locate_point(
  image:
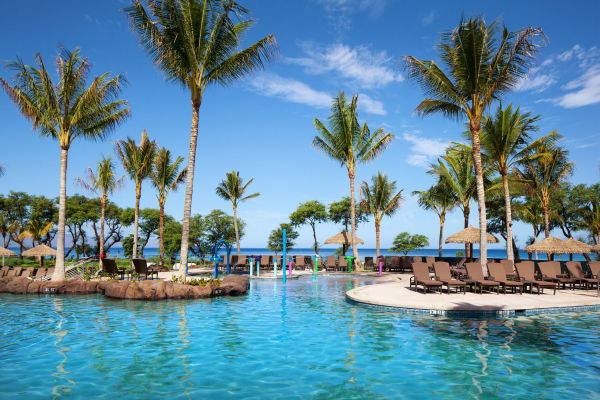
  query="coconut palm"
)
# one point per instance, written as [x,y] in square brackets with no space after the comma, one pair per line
[195,43]
[165,176]
[233,189]
[482,63]
[440,199]
[543,172]
[66,110]
[349,143]
[137,163]
[380,199]
[506,142]
[103,182]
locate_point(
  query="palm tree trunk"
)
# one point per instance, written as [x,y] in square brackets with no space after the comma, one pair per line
[546,220]
[466,213]
[507,206]
[237,233]
[189,189]
[480,198]
[136,217]
[377,237]
[441,237]
[161,230]
[101,240]
[353,217]
[316,245]
[59,268]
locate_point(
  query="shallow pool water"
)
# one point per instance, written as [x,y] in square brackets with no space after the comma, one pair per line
[301,340]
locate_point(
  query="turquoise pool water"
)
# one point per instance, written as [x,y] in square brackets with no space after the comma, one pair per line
[302,340]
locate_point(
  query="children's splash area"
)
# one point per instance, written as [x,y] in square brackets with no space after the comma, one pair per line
[299,339]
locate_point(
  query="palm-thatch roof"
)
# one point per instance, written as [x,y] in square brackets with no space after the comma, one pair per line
[574,246]
[40,250]
[596,247]
[6,252]
[549,245]
[343,238]
[469,235]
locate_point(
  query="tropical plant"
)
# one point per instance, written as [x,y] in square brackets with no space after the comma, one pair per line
[195,43]
[380,199]
[339,212]
[66,110]
[103,182]
[349,143]
[233,189]
[440,199]
[404,242]
[310,213]
[137,163]
[165,176]
[275,242]
[482,63]
[544,172]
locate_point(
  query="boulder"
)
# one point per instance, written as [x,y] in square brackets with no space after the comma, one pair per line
[116,289]
[3,282]
[18,285]
[178,291]
[202,292]
[233,285]
[79,287]
[34,287]
[153,290]
[52,287]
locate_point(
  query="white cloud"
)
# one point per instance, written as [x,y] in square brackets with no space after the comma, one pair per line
[296,91]
[429,18]
[339,12]
[424,151]
[584,90]
[536,80]
[366,68]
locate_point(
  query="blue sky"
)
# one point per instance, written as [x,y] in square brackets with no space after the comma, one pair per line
[262,125]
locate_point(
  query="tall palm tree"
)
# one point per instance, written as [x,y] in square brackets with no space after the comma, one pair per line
[456,167]
[165,176]
[137,162]
[349,143]
[482,64]
[544,172]
[380,199]
[233,189]
[103,182]
[506,142]
[440,199]
[66,110]
[195,43]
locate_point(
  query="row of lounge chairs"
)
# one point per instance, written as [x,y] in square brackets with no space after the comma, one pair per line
[140,269]
[502,276]
[41,273]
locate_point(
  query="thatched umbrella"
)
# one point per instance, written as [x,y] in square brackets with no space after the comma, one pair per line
[6,253]
[469,235]
[596,247]
[549,245]
[574,246]
[343,238]
[40,251]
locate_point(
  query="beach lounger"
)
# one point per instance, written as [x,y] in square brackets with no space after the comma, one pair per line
[265,263]
[551,272]
[110,268]
[442,273]
[421,277]
[141,268]
[429,261]
[576,272]
[330,263]
[300,262]
[475,274]
[526,273]
[594,269]
[509,268]
[342,264]
[48,274]
[498,274]
[395,264]
[39,273]
[233,262]
[370,265]
[416,259]
[241,263]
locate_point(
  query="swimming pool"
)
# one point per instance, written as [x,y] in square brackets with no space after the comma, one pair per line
[301,340]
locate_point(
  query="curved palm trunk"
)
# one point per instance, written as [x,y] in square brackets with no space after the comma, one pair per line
[189,189]
[316,245]
[353,218]
[377,237]
[480,199]
[441,237]
[546,220]
[507,205]
[466,213]
[101,240]
[59,268]
[235,227]
[136,218]
[161,230]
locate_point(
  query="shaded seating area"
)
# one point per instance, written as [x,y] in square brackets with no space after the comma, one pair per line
[443,274]
[498,274]
[551,272]
[421,278]
[576,272]
[476,278]
[526,273]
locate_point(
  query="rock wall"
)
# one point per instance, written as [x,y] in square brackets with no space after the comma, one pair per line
[232,285]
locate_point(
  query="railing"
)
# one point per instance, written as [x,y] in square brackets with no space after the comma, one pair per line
[76,270]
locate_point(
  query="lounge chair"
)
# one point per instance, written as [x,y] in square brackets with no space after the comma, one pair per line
[300,262]
[27,272]
[265,263]
[421,277]
[526,272]
[429,261]
[442,273]
[241,263]
[48,274]
[141,268]
[233,263]
[330,263]
[551,272]
[110,268]
[594,269]
[16,271]
[416,259]
[475,276]
[39,273]
[342,264]
[369,265]
[576,272]
[275,260]
[509,268]
[498,274]
[395,264]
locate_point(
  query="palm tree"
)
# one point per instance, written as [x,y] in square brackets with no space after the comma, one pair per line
[481,65]
[544,172]
[233,189]
[66,111]
[380,200]
[137,162]
[195,43]
[103,182]
[440,199]
[349,143]
[457,169]
[165,176]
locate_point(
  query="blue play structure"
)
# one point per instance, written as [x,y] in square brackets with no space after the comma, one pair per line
[215,258]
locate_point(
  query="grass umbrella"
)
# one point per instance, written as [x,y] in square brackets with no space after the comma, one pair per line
[6,253]
[40,251]
[470,235]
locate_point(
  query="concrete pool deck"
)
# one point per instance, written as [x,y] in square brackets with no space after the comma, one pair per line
[395,293]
